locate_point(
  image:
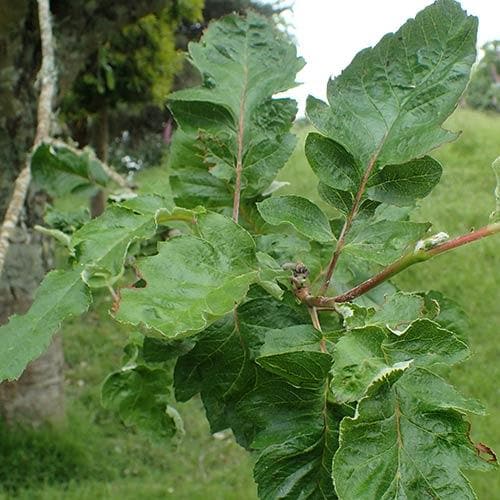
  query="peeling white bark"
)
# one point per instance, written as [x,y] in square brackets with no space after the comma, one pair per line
[47,79]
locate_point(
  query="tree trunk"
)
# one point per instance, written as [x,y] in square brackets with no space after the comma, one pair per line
[496,80]
[38,394]
[101,141]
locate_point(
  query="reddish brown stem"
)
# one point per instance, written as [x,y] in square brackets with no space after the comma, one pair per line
[348,223]
[464,239]
[384,275]
[401,264]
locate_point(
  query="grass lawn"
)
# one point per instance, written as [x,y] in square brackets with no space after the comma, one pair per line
[92,456]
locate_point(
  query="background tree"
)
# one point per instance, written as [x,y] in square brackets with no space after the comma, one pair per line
[80,28]
[484,88]
[132,72]
[90,36]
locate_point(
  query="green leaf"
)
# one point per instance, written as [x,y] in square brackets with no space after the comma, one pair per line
[383,241]
[241,57]
[425,343]
[293,429]
[367,354]
[101,245]
[403,184]
[271,274]
[294,353]
[141,396]
[398,311]
[61,295]
[232,120]
[306,217]
[66,221]
[141,391]
[190,178]
[299,468]
[341,175]
[221,365]
[295,432]
[395,313]
[408,439]
[148,204]
[159,350]
[358,361]
[333,165]
[193,280]
[341,200]
[389,104]
[450,315]
[58,235]
[60,170]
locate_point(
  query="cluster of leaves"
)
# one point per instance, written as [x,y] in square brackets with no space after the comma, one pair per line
[136,64]
[338,403]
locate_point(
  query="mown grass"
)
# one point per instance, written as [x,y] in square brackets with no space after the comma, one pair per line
[92,456]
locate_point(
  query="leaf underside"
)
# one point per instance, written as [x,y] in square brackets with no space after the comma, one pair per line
[60,170]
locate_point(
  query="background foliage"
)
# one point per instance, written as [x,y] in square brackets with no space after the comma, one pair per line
[484,87]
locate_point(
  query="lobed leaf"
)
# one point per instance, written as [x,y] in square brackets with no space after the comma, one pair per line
[384,115]
[296,435]
[367,354]
[389,104]
[221,365]
[232,119]
[409,439]
[289,419]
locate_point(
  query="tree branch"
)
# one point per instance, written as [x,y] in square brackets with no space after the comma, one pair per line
[110,171]
[47,80]
[418,255]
